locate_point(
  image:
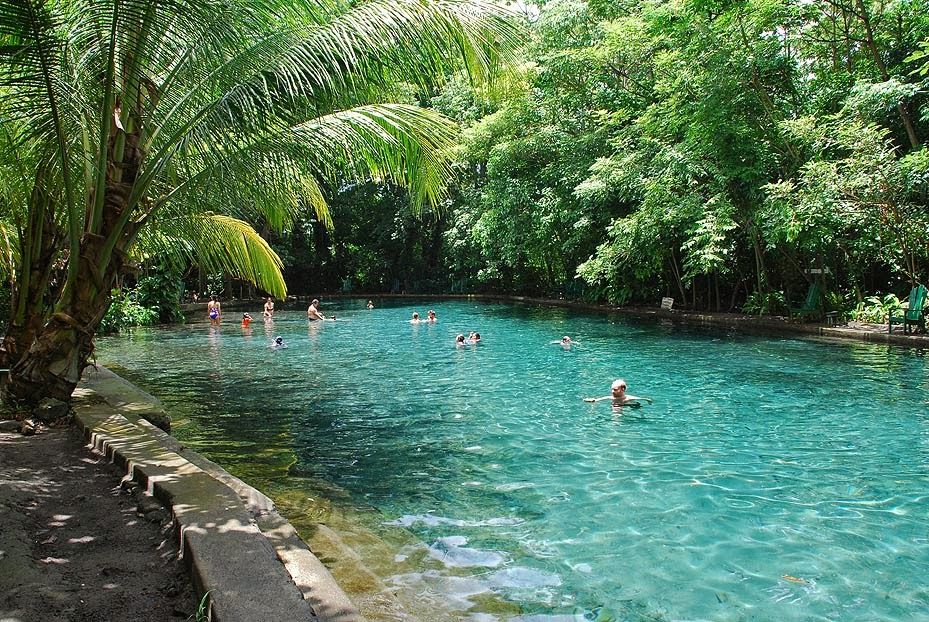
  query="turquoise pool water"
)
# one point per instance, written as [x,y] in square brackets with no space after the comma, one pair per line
[772,478]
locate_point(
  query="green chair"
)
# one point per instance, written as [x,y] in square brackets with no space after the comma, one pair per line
[812,307]
[913,314]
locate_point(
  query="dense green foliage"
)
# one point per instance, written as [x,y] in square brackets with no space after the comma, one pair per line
[125,311]
[141,131]
[716,152]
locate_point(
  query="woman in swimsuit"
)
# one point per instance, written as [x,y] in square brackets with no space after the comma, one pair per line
[214,311]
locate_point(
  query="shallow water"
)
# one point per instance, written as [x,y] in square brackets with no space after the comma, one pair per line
[772,478]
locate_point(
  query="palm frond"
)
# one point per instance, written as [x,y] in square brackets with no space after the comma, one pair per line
[218,243]
[281,175]
[9,252]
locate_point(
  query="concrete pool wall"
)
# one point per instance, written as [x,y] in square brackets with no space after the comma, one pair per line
[238,548]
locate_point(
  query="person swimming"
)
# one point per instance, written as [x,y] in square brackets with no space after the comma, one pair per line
[430,316]
[278,343]
[459,340]
[415,319]
[618,395]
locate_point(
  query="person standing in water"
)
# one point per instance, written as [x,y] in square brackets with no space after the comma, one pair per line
[313,313]
[269,308]
[214,311]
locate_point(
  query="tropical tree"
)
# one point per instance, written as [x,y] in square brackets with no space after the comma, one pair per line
[134,127]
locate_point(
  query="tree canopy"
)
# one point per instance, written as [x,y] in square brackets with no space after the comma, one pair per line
[168,128]
[717,152]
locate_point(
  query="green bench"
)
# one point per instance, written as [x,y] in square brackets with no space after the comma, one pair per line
[913,315]
[812,306]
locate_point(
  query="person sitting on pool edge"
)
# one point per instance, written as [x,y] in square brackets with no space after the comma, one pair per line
[618,395]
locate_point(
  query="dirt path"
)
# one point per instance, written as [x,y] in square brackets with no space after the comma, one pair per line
[73,546]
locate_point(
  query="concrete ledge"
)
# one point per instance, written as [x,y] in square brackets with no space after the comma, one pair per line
[236,545]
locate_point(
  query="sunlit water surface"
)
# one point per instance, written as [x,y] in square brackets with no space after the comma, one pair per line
[772,478]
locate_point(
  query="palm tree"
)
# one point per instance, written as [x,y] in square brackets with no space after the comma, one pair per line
[168,125]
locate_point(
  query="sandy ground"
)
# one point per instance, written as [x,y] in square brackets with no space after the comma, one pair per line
[75,546]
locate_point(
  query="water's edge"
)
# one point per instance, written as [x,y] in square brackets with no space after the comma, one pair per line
[750,324]
[308,574]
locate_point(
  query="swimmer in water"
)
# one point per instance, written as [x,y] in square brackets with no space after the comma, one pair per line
[312,313]
[618,395]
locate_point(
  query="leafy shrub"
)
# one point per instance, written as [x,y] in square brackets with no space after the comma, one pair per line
[765,303]
[162,290]
[125,311]
[875,309]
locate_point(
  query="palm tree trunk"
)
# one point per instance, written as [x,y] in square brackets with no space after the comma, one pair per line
[54,360]
[39,252]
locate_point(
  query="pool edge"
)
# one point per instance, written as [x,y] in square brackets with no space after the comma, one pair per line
[236,545]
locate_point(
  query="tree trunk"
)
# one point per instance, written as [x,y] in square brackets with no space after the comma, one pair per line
[52,365]
[871,43]
[19,336]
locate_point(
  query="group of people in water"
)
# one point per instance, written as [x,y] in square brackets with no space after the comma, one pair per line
[430,317]
[473,339]
[618,396]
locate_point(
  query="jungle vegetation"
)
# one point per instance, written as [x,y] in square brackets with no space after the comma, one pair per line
[165,131]
[724,153]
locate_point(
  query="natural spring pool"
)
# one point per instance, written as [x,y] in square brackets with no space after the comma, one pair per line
[772,478]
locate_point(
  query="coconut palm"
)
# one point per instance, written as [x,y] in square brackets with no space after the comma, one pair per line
[168,125]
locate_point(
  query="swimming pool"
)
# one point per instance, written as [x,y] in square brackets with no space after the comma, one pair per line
[772,478]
